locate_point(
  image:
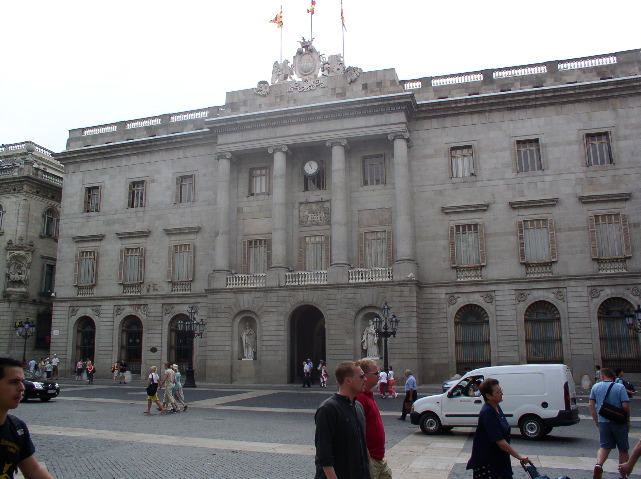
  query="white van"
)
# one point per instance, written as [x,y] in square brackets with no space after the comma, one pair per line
[536,398]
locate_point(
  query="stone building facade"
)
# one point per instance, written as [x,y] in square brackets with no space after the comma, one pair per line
[30,194]
[495,211]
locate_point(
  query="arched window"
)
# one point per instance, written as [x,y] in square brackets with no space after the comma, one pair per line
[180,342]
[50,223]
[619,345]
[85,339]
[472,337]
[131,343]
[543,333]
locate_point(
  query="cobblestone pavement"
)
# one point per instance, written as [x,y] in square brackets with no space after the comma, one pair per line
[261,432]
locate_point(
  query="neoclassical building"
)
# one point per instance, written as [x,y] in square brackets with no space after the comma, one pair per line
[30,193]
[497,212]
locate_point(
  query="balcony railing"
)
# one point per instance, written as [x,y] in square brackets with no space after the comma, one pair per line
[366,275]
[299,278]
[181,287]
[85,290]
[131,288]
[246,280]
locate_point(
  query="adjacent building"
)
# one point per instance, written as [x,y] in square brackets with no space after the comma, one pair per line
[30,194]
[497,212]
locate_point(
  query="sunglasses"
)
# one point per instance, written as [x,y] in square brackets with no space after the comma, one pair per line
[375,373]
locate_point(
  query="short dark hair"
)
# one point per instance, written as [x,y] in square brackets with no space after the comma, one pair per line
[8,362]
[607,372]
[618,371]
[344,370]
[487,387]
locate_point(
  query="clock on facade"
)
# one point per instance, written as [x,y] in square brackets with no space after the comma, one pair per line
[310,168]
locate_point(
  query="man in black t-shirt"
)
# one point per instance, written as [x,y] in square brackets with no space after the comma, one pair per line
[16,448]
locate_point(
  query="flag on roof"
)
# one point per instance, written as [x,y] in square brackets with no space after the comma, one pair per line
[278,19]
[343,17]
[311,9]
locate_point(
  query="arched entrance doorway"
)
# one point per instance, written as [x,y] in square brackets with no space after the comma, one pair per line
[85,339]
[131,343]
[306,341]
[619,344]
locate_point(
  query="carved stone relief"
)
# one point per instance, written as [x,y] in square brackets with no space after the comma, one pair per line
[316,213]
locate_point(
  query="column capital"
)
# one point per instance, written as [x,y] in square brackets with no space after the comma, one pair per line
[337,142]
[225,155]
[400,136]
[274,149]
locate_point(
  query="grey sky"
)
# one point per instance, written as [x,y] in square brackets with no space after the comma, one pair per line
[70,64]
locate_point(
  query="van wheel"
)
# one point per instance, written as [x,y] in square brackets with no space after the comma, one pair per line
[430,423]
[532,428]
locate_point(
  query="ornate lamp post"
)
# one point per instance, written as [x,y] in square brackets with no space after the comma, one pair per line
[630,316]
[386,328]
[194,329]
[25,330]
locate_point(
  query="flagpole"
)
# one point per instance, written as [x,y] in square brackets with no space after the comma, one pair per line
[343,31]
[281,36]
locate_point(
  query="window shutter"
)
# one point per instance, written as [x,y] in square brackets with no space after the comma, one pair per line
[453,246]
[94,276]
[192,264]
[361,251]
[269,253]
[552,232]
[144,193]
[301,254]
[627,246]
[76,269]
[482,244]
[177,192]
[521,236]
[141,266]
[328,251]
[99,198]
[245,265]
[592,230]
[121,266]
[170,264]
[390,250]
[130,198]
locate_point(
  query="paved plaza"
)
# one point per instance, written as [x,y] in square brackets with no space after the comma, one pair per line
[229,432]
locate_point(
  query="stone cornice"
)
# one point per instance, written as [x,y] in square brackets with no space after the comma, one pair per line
[86,238]
[182,230]
[133,234]
[464,208]
[25,184]
[534,97]
[517,204]
[604,197]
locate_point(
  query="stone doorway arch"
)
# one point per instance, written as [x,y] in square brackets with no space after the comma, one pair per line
[307,340]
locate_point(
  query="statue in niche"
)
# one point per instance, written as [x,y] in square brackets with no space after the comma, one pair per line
[369,342]
[17,273]
[248,340]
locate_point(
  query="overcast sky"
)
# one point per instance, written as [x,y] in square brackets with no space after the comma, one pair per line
[69,64]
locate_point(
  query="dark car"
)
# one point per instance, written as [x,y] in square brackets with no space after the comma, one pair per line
[39,388]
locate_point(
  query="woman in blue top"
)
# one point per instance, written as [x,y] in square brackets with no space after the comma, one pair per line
[491,448]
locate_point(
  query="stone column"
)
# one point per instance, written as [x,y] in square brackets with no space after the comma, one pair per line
[23,222]
[221,242]
[339,213]
[279,212]
[403,237]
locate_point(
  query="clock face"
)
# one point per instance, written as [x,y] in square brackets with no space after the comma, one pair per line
[310,168]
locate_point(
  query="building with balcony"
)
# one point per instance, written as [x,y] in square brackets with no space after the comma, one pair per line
[30,194]
[497,212]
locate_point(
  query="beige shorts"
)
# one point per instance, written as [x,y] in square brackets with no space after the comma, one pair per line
[378,469]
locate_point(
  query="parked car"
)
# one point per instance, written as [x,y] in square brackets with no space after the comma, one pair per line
[536,398]
[39,388]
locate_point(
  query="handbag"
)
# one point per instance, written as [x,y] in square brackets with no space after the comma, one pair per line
[613,413]
[152,389]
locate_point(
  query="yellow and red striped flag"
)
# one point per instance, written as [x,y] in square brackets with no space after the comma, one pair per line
[278,19]
[343,17]
[311,9]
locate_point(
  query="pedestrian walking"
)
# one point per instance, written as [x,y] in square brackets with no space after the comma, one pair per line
[80,366]
[115,369]
[91,370]
[307,374]
[54,363]
[491,449]
[152,391]
[382,383]
[48,368]
[390,383]
[178,388]
[323,376]
[410,394]
[611,434]
[123,371]
[168,382]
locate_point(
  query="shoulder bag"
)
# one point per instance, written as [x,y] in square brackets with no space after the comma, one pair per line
[611,412]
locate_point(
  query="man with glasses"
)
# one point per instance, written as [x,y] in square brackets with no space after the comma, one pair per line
[341,450]
[375,432]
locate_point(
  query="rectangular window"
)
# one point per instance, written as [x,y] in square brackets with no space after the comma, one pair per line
[92,199]
[598,150]
[50,223]
[136,194]
[182,262]
[132,265]
[462,161]
[258,181]
[185,189]
[315,253]
[86,268]
[467,245]
[535,240]
[373,170]
[375,249]
[257,256]
[528,155]
[48,277]
[610,236]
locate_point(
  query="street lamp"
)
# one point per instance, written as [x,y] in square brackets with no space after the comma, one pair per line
[386,328]
[194,329]
[25,330]
[630,316]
